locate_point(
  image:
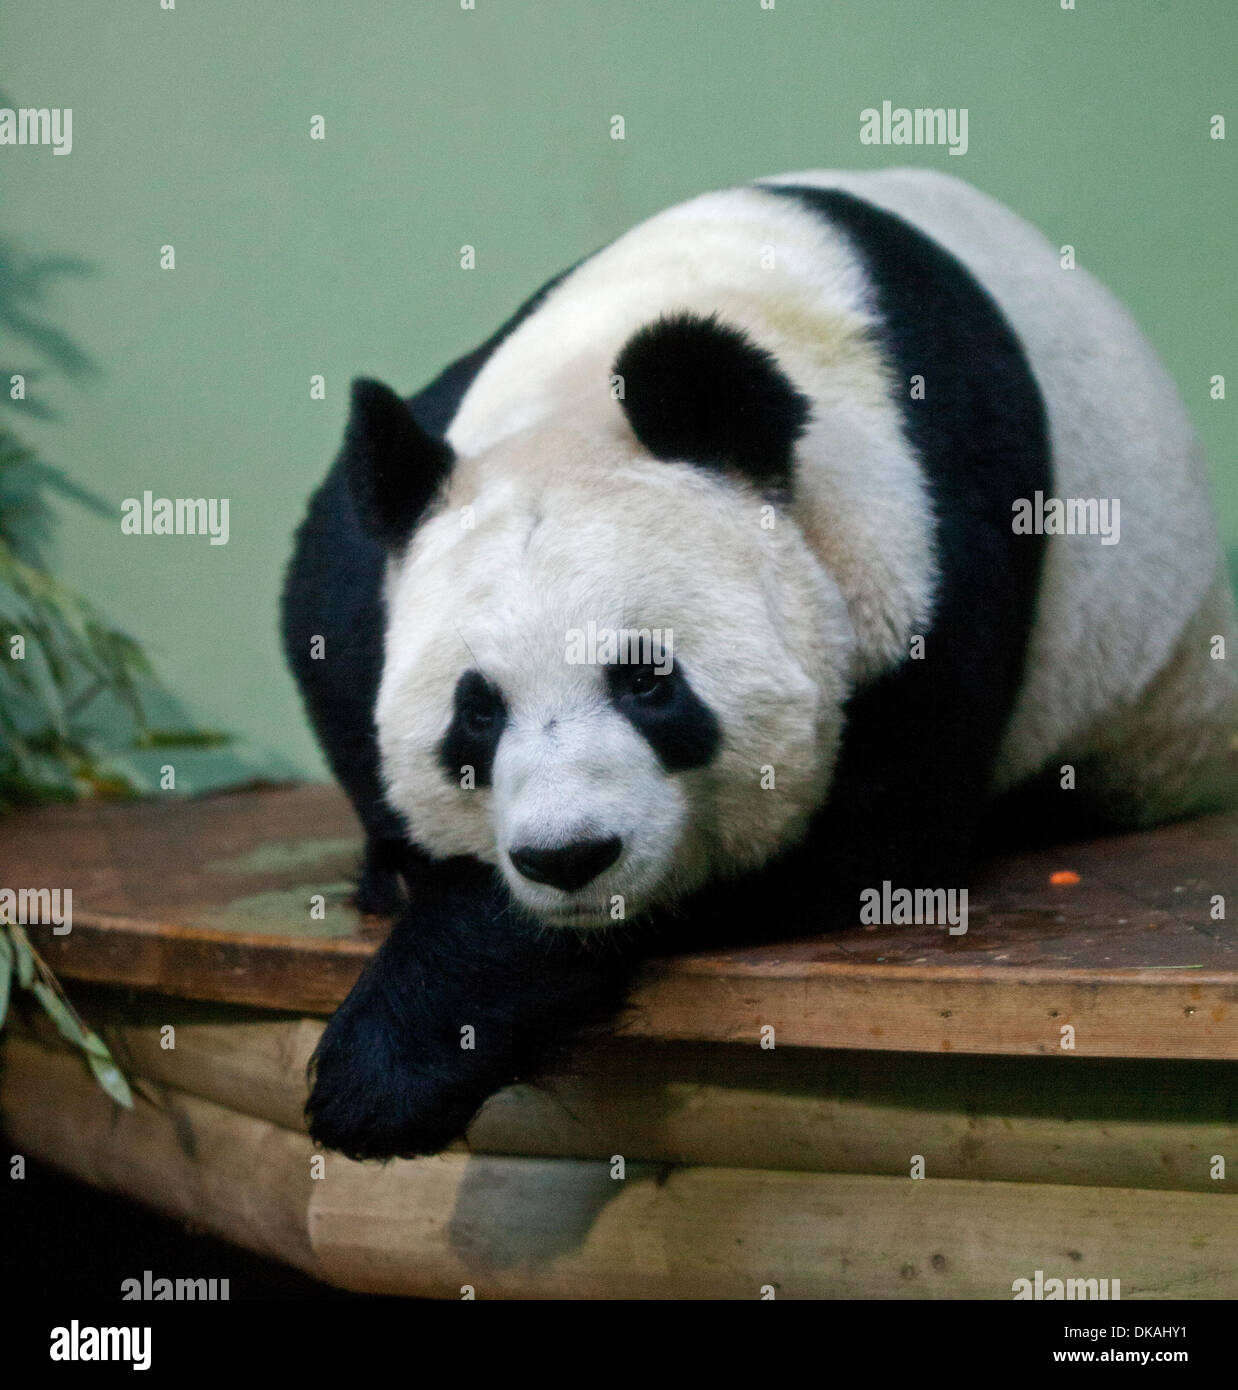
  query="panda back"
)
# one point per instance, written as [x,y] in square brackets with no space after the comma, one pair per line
[1109,618]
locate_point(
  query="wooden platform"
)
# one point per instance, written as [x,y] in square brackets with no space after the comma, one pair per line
[744,1166]
[210,899]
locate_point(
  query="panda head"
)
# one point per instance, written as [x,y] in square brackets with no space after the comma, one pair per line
[613,667]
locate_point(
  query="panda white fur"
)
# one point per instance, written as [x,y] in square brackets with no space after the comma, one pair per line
[785,429]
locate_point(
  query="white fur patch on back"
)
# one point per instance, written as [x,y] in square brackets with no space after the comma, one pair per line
[1108,617]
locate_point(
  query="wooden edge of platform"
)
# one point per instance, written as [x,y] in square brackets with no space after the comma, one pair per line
[1048,1014]
[1146,1012]
[508,1227]
[303,974]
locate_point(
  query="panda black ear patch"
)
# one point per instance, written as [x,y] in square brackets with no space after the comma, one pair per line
[700,391]
[394,467]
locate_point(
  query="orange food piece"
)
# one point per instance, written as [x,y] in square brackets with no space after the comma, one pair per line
[1063,877]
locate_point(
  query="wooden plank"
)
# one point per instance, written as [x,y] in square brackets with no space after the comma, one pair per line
[563,1228]
[1149,1013]
[242,1179]
[1131,1124]
[300,974]
[1146,1013]
[535,1227]
[209,899]
[201,861]
[1082,1122]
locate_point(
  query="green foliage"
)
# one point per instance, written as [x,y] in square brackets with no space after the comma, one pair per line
[65,670]
[60,659]
[58,655]
[19,958]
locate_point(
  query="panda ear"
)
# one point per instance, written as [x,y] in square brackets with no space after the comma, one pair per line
[700,391]
[394,467]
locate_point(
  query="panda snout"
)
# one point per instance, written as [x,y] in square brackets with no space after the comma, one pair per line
[569,866]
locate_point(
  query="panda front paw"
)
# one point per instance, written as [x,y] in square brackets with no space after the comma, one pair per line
[463,998]
[392,1074]
[373,1096]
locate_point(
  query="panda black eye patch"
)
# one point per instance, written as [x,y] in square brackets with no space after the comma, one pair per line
[668,714]
[479,714]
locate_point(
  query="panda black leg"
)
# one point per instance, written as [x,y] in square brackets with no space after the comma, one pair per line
[381,885]
[465,996]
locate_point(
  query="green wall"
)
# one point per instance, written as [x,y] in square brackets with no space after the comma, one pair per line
[492,127]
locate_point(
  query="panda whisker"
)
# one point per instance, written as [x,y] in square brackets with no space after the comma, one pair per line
[472,655]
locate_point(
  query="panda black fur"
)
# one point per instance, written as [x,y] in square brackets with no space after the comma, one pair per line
[709,428]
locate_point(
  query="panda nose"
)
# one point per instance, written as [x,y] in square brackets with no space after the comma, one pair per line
[569,866]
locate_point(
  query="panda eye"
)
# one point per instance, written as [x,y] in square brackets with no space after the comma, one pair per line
[645,683]
[480,710]
[478,720]
[482,713]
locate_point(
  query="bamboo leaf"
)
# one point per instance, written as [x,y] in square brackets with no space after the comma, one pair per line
[42,681]
[110,1077]
[182,738]
[95,1046]
[25,955]
[78,665]
[6,974]
[68,1025]
[14,944]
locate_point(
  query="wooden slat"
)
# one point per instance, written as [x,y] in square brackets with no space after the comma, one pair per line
[209,900]
[1081,1122]
[1146,1013]
[301,974]
[1101,1124]
[242,1179]
[535,1227]
[561,1228]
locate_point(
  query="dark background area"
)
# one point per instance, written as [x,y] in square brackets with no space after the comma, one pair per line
[63,1240]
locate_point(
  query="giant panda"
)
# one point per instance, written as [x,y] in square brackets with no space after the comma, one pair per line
[785,434]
